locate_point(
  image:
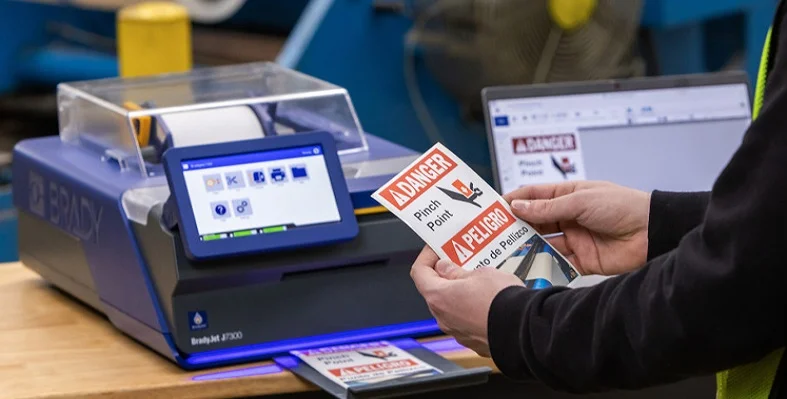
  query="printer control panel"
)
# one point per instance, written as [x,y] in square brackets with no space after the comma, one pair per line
[270,194]
[260,193]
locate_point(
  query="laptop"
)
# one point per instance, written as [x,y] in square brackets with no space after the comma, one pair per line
[673,133]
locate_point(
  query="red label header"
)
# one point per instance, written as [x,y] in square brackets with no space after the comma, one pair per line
[374,367]
[477,234]
[416,180]
[550,143]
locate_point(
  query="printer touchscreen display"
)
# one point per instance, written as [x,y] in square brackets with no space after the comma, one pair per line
[263,192]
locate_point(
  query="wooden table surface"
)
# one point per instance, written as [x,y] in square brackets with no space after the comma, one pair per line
[52,346]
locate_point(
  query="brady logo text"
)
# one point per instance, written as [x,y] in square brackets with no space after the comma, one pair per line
[64,207]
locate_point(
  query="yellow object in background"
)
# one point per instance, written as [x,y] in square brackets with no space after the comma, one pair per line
[370,210]
[141,125]
[571,14]
[153,38]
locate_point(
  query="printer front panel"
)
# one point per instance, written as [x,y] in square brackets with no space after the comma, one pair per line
[275,297]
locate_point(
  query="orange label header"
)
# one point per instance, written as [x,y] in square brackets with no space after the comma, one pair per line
[416,180]
[477,234]
[372,368]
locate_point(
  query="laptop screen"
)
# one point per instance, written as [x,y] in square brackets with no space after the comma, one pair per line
[676,139]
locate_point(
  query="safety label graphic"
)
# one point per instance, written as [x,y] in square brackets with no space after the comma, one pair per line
[478,233]
[367,363]
[548,157]
[455,212]
[408,186]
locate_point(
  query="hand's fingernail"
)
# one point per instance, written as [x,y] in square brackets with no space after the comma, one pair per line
[520,205]
[443,266]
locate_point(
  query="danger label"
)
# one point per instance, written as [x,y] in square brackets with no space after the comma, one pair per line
[342,348]
[472,239]
[369,363]
[416,180]
[550,143]
[455,211]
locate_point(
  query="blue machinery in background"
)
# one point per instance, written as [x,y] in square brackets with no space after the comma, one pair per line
[347,43]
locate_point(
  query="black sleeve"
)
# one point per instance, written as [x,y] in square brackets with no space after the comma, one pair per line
[672,216]
[715,301]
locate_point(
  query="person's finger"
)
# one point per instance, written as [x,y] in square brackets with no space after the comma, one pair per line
[545,228]
[425,277]
[427,256]
[544,191]
[561,209]
[423,273]
[448,270]
[577,263]
[560,244]
[537,191]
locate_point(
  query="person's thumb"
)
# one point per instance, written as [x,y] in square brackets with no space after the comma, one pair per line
[547,211]
[448,270]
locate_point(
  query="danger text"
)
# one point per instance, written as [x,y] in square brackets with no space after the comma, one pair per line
[417,179]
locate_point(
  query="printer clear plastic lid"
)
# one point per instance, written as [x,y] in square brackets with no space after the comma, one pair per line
[132,121]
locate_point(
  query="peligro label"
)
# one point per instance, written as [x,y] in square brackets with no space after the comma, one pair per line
[456,212]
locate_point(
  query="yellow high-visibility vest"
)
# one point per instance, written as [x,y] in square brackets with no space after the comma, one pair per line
[752,381]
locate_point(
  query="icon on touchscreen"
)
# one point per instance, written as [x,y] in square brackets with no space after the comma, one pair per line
[213,183]
[242,207]
[278,175]
[299,172]
[220,209]
[256,177]
[234,179]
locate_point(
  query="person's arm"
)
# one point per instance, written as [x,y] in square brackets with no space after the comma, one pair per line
[715,301]
[672,215]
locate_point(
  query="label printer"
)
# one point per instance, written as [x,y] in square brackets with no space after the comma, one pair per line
[220,216]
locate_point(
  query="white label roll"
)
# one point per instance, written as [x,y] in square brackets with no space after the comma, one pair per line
[212,11]
[211,126]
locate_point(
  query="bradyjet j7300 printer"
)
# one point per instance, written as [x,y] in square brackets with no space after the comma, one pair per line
[98,220]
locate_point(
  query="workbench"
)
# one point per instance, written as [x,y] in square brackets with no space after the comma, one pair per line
[55,347]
